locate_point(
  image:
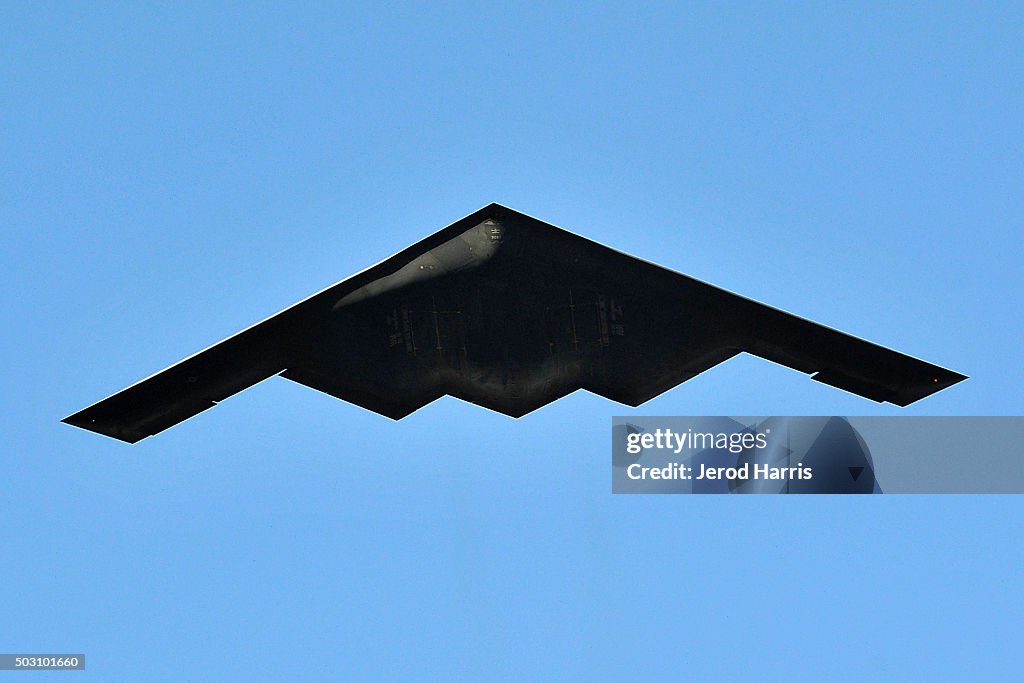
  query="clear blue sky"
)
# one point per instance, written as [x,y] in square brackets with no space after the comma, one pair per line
[170,174]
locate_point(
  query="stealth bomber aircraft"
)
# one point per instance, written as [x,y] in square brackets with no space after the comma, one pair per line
[510,313]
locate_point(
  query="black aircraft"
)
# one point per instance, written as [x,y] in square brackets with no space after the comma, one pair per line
[511,313]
